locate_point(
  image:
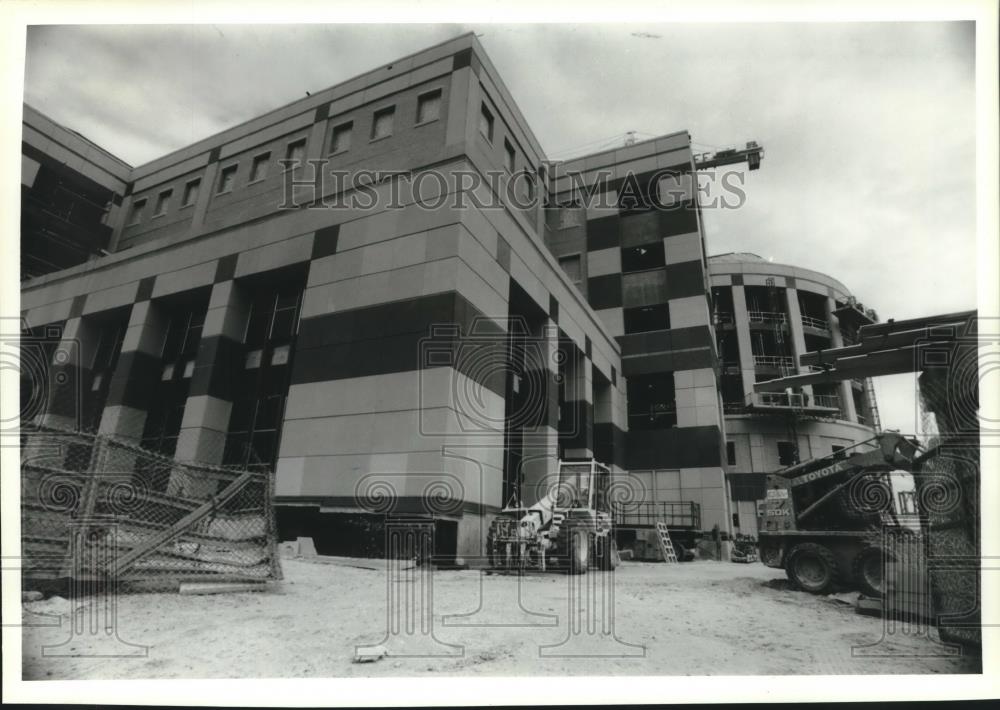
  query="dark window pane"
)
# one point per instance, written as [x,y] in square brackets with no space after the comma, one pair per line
[172,343]
[242,415]
[651,403]
[647,256]
[284,324]
[264,449]
[647,318]
[258,327]
[236,449]
[287,298]
[269,413]
[786,453]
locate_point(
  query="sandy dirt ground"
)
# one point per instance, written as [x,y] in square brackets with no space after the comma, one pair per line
[696,618]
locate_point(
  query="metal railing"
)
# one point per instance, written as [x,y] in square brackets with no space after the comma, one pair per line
[780,399]
[830,401]
[784,361]
[766,317]
[818,324]
[676,514]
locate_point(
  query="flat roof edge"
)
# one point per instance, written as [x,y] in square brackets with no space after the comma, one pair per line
[312,101]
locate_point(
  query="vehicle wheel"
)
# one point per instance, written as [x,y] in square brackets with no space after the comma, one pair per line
[812,568]
[579,552]
[868,572]
[770,555]
[607,553]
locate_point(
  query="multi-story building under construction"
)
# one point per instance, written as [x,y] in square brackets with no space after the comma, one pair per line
[386,291]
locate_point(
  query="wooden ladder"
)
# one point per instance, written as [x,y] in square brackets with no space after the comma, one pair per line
[666,544]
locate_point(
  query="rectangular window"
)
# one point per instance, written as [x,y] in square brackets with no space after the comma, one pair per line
[731,453]
[641,258]
[259,169]
[138,207]
[651,403]
[571,265]
[838,451]
[486,123]
[382,122]
[227,179]
[255,421]
[295,153]
[191,193]
[340,139]
[509,156]
[645,319]
[163,202]
[429,106]
[786,453]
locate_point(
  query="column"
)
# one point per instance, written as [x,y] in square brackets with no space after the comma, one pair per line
[69,374]
[837,341]
[576,425]
[742,319]
[796,334]
[117,222]
[206,412]
[137,372]
[541,435]
[67,380]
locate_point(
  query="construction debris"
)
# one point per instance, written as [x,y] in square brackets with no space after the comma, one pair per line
[370,654]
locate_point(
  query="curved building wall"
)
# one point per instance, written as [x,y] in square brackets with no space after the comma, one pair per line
[766,316]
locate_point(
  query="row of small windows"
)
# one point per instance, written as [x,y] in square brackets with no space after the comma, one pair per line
[428,110]
[190,196]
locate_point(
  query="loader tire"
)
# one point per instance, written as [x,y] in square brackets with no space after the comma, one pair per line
[811,567]
[607,553]
[869,572]
[579,552]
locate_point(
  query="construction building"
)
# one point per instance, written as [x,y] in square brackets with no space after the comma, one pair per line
[426,341]
[766,316]
[68,186]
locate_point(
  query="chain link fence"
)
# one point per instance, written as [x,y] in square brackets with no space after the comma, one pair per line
[98,508]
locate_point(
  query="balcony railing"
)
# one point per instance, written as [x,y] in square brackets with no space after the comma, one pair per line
[780,361]
[780,399]
[830,401]
[765,317]
[794,400]
[646,514]
[816,323]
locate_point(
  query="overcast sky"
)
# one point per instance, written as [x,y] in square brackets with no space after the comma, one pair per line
[868,129]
